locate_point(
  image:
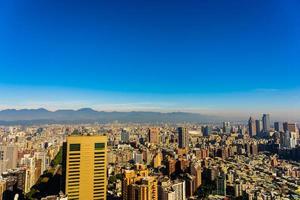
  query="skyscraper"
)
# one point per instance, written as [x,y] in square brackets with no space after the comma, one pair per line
[124,136]
[266,123]
[207,130]
[226,127]
[252,127]
[183,137]
[221,185]
[278,126]
[85,167]
[153,135]
[259,127]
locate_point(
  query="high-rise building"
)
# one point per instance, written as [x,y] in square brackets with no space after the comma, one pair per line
[157,159]
[221,185]
[124,136]
[153,135]
[238,192]
[165,193]
[8,157]
[179,187]
[196,171]
[252,127]
[190,186]
[290,139]
[138,157]
[85,167]
[226,127]
[2,188]
[183,137]
[278,126]
[207,130]
[171,166]
[259,127]
[137,185]
[266,123]
[292,127]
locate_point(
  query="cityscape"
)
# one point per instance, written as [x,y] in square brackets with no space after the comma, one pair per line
[149,100]
[256,160]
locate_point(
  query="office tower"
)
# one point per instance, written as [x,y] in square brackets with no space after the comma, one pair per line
[153,135]
[124,136]
[259,127]
[221,185]
[266,123]
[85,167]
[226,127]
[183,137]
[207,130]
[278,126]
[252,127]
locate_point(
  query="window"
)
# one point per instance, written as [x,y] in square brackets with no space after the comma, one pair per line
[99,146]
[102,156]
[74,154]
[74,147]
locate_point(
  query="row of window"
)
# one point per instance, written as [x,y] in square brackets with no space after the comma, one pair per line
[97,146]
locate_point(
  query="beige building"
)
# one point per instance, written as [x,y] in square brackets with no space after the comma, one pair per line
[153,135]
[86,167]
[138,185]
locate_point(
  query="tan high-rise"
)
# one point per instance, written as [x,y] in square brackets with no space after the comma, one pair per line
[153,135]
[86,167]
[138,185]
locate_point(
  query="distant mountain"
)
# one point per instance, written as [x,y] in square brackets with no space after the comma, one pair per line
[88,115]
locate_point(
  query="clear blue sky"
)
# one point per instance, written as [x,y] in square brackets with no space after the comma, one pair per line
[139,52]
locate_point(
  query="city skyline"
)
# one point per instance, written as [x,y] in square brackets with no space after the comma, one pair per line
[226,59]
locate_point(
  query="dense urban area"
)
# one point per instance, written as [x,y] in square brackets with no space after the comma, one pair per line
[258,160]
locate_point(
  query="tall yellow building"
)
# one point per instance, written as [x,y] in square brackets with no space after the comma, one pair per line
[157,160]
[85,167]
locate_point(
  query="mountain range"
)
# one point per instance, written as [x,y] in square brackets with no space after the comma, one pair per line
[88,115]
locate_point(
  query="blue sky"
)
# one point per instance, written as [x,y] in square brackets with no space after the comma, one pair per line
[223,57]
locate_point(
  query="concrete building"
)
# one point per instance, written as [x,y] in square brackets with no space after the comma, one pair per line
[153,135]
[252,127]
[86,167]
[183,137]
